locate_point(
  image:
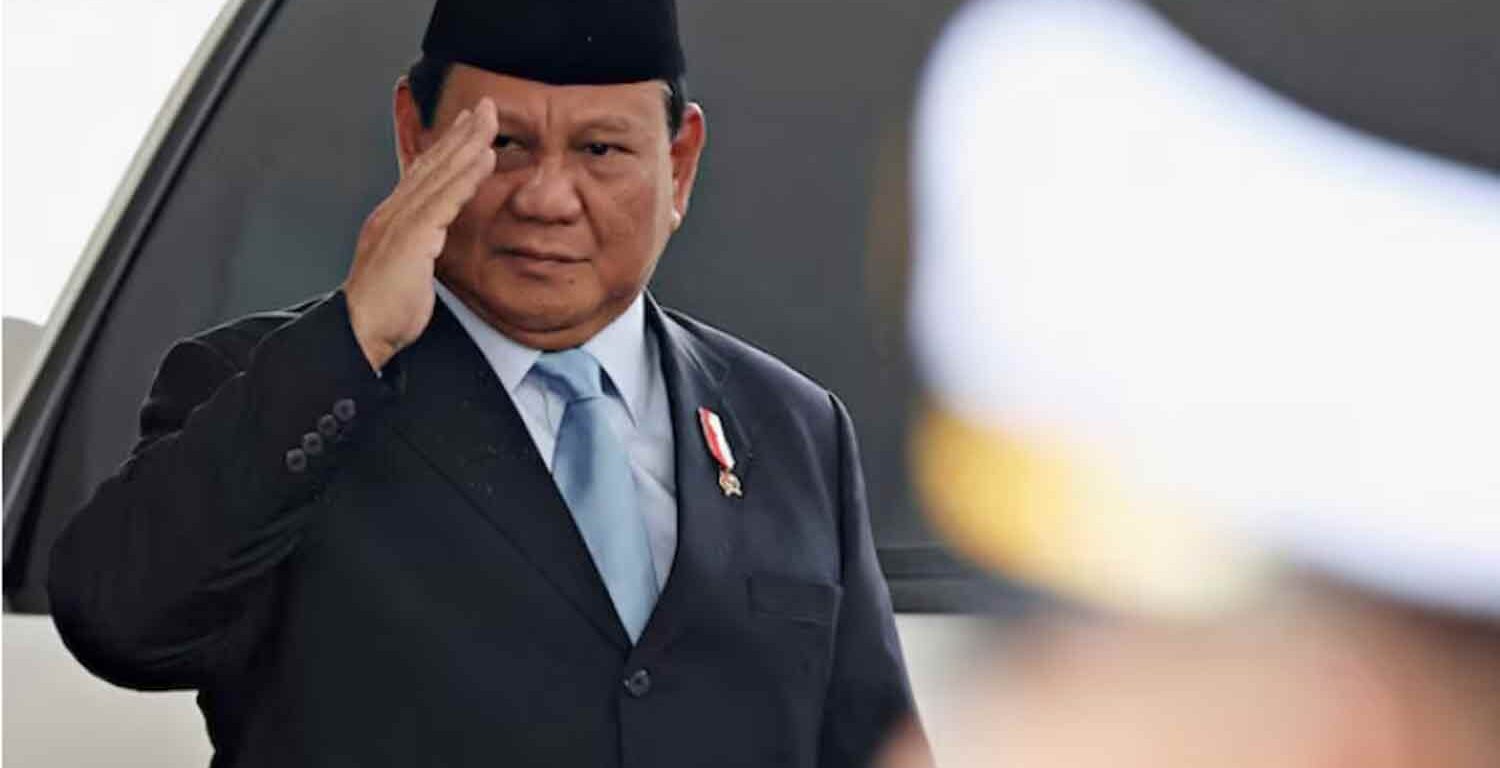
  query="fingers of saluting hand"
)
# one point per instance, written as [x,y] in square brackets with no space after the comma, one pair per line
[451,137]
[442,197]
[457,163]
[402,199]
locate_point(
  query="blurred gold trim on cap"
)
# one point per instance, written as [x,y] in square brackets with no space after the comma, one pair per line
[1043,511]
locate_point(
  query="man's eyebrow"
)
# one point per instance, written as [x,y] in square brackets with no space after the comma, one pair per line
[616,123]
[505,115]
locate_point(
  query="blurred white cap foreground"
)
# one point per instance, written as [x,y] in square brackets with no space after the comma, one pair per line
[1176,329]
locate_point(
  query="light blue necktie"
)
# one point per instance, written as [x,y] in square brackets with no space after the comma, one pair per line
[592,470]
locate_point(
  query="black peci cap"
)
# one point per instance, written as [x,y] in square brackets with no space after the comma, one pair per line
[562,42]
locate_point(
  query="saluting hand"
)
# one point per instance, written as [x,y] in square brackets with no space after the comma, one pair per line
[389,286]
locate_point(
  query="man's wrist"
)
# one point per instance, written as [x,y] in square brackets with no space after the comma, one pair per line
[377,353]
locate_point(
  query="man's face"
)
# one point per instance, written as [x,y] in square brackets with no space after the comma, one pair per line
[588,186]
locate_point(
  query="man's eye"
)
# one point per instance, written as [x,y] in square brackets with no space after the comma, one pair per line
[504,142]
[598,149]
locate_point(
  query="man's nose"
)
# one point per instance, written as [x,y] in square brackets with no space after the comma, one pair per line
[548,194]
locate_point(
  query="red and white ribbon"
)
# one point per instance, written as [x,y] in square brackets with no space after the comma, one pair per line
[713,434]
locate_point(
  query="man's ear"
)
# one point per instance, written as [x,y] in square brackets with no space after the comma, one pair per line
[410,133]
[687,148]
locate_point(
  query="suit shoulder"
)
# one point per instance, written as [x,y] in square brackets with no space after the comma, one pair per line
[751,368]
[237,339]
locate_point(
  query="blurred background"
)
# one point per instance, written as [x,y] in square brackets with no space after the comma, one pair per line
[1203,300]
[1111,288]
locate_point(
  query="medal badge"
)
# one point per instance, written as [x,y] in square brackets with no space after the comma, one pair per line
[718,445]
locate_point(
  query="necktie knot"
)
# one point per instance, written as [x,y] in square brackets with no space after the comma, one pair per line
[572,373]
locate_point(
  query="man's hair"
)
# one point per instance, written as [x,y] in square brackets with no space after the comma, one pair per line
[427,74]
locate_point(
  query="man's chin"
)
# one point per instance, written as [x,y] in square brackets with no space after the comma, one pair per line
[548,325]
[528,308]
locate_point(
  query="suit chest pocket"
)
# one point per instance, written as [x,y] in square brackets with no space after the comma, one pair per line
[792,623]
[794,599]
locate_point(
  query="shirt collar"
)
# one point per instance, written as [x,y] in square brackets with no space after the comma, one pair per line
[622,351]
[620,348]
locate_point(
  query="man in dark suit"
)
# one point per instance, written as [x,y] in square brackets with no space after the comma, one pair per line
[488,503]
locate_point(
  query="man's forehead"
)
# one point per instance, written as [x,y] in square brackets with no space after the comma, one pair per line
[617,106]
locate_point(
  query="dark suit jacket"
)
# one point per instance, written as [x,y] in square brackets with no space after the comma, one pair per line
[364,571]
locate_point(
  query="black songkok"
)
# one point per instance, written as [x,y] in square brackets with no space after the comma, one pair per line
[562,42]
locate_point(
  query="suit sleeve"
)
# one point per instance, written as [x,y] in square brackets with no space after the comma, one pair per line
[154,582]
[869,694]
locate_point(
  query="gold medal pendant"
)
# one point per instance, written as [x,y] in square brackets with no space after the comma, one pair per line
[729,483]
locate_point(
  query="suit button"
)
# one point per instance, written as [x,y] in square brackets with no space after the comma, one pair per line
[312,443]
[638,683]
[344,410]
[328,426]
[296,460]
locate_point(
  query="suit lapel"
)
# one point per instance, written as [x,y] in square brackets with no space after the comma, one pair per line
[706,518]
[455,412]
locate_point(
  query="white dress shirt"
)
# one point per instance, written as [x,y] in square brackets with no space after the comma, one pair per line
[639,413]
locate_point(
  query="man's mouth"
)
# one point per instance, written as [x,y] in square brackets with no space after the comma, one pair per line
[527,253]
